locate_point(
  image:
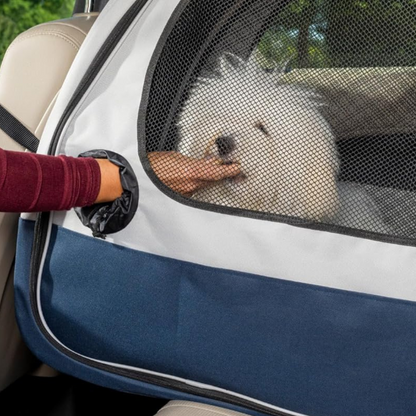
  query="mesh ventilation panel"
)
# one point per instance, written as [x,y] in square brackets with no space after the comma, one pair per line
[305,110]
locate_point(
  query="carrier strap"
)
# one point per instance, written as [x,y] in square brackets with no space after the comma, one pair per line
[17,131]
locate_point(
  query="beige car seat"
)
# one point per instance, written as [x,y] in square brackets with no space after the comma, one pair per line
[32,72]
[185,408]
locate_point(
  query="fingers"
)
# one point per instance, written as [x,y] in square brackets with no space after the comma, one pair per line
[185,175]
[214,170]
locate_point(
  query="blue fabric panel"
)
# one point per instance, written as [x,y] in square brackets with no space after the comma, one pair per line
[305,348]
[48,354]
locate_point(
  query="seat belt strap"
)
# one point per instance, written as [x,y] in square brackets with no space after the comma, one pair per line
[17,131]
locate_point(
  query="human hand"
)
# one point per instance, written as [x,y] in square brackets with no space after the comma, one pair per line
[110,188]
[186,175]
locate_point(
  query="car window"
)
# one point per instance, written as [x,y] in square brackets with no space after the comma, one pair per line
[16,16]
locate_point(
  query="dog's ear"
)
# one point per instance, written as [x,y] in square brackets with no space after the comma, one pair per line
[254,61]
[256,64]
[283,67]
[230,63]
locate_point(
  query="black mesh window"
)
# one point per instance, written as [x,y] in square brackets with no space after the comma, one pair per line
[305,110]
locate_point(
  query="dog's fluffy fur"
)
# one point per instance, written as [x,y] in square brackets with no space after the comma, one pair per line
[285,147]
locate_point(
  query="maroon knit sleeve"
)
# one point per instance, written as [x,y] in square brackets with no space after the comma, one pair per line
[33,183]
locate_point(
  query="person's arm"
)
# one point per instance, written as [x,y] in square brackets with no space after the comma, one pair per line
[32,183]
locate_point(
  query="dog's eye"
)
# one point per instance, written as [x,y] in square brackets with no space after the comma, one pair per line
[262,128]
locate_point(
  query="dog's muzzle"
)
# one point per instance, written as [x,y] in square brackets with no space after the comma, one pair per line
[222,147]
[225,145]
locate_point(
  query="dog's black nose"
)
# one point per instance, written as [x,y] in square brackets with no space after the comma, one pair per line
[225,145]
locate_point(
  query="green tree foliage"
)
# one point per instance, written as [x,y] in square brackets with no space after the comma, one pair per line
[297,36]
[17,16]
[372,33]
[351,33]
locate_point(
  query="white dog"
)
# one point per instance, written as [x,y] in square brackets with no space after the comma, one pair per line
[275,131]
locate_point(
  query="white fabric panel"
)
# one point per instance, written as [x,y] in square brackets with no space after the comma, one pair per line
[105,23]
[107,118]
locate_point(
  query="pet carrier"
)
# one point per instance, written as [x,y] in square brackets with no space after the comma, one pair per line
[286,289]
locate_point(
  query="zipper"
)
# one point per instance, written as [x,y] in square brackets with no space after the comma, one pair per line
[41,234]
